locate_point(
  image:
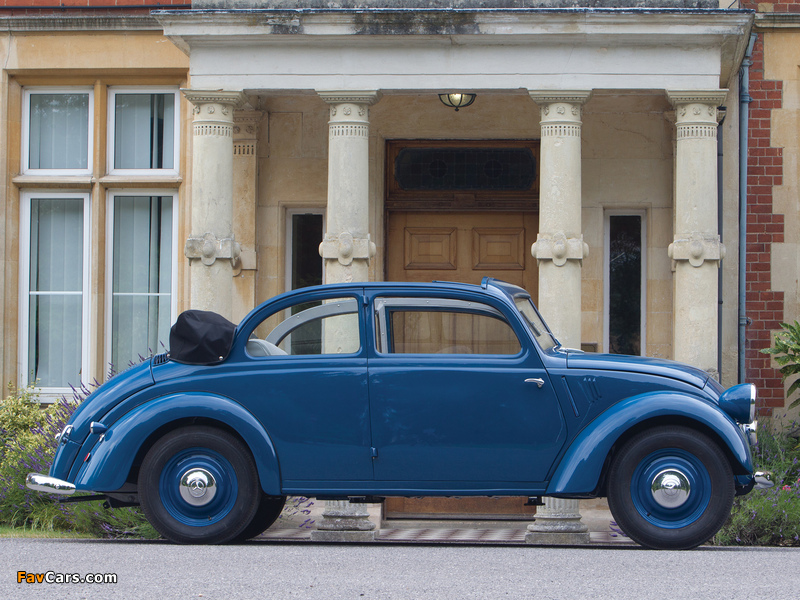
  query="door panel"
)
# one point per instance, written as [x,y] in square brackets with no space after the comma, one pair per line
[456,246]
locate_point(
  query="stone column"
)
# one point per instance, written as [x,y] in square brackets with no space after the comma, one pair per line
[559,251]
[211,249]
[696,250]
[246,124]
[346,247]
[346,250]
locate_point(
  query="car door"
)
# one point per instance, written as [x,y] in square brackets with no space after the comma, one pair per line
[459,398]
[305,370]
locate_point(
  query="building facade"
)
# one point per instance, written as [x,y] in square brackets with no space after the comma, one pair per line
[213,155]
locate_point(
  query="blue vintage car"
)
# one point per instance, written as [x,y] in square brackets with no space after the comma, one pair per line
[390,389]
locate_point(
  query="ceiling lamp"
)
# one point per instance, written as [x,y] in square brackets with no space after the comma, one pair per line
[457,100]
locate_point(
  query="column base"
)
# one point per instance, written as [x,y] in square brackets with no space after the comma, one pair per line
[344,522]
[558,522]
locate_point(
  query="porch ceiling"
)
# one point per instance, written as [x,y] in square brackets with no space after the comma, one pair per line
[429,50]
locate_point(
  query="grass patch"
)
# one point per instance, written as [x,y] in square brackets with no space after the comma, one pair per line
[28,533]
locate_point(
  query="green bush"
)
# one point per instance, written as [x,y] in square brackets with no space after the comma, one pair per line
[787,354]
[27,432]
[769,517]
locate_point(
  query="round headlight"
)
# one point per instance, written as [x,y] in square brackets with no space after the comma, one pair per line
[739,402]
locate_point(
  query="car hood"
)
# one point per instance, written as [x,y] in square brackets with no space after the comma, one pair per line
[577,359]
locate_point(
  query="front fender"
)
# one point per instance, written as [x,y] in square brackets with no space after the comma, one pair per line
[580,468]
[112,458]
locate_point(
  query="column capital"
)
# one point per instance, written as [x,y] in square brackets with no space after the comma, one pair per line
[709,97]
[368,97]
[560,96]
[202,97]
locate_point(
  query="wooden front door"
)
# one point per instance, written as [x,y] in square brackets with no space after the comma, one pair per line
[464,247]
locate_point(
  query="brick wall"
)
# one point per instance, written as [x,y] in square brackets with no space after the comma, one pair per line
[764,227]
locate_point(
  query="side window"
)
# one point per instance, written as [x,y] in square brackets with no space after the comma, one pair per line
[441,326]
[311,328]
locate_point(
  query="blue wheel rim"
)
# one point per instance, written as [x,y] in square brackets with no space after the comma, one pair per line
[211,462]
[694,471]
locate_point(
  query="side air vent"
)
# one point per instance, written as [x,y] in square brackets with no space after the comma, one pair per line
[160,359]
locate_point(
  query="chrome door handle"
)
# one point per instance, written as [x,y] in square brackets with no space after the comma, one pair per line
[536,380]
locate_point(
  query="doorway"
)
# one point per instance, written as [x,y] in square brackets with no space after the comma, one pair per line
[460,211]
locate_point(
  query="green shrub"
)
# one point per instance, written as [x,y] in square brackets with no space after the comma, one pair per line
[27,431]
[787,354]
[769,517]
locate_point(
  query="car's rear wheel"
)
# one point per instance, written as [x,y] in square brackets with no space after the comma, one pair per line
[670,488]
[199,485]
[269,509]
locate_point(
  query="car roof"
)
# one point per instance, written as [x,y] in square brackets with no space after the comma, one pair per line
[508,289]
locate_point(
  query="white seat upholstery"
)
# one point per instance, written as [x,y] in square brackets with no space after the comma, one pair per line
[256,347]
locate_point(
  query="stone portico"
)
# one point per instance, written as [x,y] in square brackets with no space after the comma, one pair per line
[624,102]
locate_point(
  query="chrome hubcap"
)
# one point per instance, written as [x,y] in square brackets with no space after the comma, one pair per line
[670,488]
[198,487]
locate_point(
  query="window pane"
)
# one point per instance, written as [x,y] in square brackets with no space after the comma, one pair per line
[306,261]
[58,135]
[56,245]
[144,131]
[55,292]
[441,332]
[138,325]
[330,327]
[54,340]
[625,285]
[425,169]
[142,277]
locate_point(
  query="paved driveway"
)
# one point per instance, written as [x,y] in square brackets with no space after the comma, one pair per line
[268,569]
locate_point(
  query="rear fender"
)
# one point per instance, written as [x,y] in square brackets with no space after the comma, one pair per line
[112,457]
[579,470]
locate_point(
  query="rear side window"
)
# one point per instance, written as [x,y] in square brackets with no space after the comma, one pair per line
[311,328]
[442,326]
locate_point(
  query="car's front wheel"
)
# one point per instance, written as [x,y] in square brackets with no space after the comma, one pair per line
[670,488]
[199,485]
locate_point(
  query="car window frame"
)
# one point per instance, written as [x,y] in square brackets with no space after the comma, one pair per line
[382,335]
[252,322]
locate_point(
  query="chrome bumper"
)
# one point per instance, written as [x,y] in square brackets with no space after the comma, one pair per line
[51,485]
[764,480]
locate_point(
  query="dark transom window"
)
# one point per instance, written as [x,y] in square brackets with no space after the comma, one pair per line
[507,169]
[462,175]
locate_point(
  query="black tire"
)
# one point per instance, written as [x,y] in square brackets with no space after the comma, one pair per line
[695,495]
[269,509]
[199,485]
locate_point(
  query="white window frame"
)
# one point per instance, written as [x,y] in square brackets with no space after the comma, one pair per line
[111,110]
[290,212]
[606,279]
[26,124]
[110,261]
[50,393]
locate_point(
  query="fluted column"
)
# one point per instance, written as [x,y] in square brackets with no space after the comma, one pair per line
[559,251]
[696,250]
[346,250]
[212,249]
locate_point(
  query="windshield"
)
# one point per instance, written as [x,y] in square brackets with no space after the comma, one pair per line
[535,322]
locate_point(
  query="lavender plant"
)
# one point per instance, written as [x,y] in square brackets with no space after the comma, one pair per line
[27,431]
